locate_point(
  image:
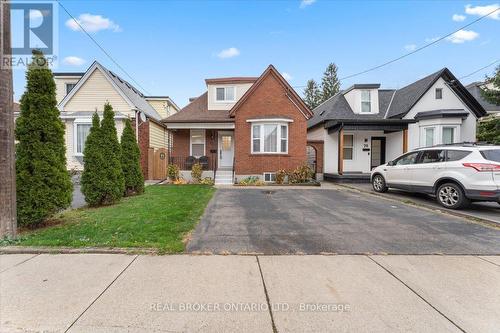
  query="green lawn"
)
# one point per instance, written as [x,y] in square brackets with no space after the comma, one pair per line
[158,219]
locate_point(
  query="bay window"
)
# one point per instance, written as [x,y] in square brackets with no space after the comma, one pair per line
[448,135]
[269,138]
[429,136]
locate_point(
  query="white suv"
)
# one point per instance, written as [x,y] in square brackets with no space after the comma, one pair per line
[456,174]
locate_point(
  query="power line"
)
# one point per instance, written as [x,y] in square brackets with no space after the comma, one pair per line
[414,51]
[102,49]
[480,69]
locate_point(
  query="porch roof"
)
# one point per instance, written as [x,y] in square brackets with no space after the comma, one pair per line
[368,124]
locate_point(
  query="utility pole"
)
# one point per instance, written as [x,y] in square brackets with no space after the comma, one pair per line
[8,224]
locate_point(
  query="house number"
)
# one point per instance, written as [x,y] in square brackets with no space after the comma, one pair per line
[162,156]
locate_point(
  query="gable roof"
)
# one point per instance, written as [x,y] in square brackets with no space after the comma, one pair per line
[197,112]
[134,98]
[475,89]
[291,93]
[393,104]
[406,97]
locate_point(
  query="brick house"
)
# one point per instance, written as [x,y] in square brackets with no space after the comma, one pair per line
[240,127]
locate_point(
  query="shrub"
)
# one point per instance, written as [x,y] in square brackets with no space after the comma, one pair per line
[488,129]
[43,184]
[179,181]
[92,176]
[251,181]
[173,172]
[301,174]
[130,161]
[207,181]
[104,183]
[196,172]
[280,176]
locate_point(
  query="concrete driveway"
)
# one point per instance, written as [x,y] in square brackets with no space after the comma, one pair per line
[183,293]
[315,221]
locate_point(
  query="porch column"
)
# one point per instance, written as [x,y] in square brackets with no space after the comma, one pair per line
[341,152]
[405,140]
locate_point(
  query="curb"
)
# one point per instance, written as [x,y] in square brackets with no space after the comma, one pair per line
[408,202]
[71,250]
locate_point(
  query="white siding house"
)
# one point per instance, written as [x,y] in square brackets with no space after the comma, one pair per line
[365,126]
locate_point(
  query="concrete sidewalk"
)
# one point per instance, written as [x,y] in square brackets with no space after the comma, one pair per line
[118,293]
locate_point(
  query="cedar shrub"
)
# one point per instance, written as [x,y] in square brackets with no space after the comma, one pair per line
[130,161]
[43,184]
[92,165]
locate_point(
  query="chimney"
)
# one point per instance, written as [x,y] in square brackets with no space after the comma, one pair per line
[192,99]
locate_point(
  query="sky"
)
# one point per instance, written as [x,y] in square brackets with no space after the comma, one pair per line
[171,47]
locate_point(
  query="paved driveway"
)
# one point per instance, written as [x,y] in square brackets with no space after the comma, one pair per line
[280,221]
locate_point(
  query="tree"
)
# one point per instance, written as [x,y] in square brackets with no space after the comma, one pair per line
[330,83]
[312,94]
[493,95]
[43,183]
[8,224]
[92,176]
[488,130]
[130,160]
[112,183]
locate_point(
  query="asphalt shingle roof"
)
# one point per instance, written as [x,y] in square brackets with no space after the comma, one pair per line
[197,112]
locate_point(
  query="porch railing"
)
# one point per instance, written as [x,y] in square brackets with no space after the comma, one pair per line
[186,162]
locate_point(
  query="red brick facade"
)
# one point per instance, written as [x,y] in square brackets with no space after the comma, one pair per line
[181,150]
[269,99]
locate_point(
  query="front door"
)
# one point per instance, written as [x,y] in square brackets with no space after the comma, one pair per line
[377,152]
[226,149]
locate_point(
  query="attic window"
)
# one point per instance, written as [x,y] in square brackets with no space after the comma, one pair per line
[69,87]
[366,103]
[439,93]
[224,94]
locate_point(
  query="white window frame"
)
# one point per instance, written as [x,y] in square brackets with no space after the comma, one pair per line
[270,177]
[278,137]
[66,87]
[352,147]
[455,131]
[369,101]
[86,121]
[225,100]
[203,134]
[434,135]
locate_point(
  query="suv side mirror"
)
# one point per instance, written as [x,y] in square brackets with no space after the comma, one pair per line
[390,163]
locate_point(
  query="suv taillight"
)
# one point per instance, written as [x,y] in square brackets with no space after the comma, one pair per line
[488,167]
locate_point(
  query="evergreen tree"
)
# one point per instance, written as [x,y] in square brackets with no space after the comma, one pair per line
[493,95]
[92,175]
[330,83]
[312,94]
[130,160]
[112,181]
[43,183]
[488,130]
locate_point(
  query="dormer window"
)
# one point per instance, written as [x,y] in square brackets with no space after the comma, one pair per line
[224,94]
[366,103]
[69,87]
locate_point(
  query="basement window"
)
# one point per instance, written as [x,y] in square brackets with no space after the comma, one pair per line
[269,177]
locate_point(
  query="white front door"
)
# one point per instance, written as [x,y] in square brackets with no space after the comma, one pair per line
[226,149]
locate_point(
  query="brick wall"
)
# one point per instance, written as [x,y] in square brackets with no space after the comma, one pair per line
[269,99]
[181,139]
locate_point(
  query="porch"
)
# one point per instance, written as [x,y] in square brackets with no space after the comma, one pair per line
[353,148]
[212,148]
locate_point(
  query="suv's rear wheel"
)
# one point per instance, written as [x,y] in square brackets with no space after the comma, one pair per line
[378,183]
[451,195]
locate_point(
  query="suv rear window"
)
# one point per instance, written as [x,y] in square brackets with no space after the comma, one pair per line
[491,155]
[456,155]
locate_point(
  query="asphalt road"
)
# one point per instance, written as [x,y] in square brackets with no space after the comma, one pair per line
[281,221]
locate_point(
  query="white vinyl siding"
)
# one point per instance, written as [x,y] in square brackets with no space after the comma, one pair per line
[157,136]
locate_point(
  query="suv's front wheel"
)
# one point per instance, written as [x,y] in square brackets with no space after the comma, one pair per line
[378,183]
[450,195]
